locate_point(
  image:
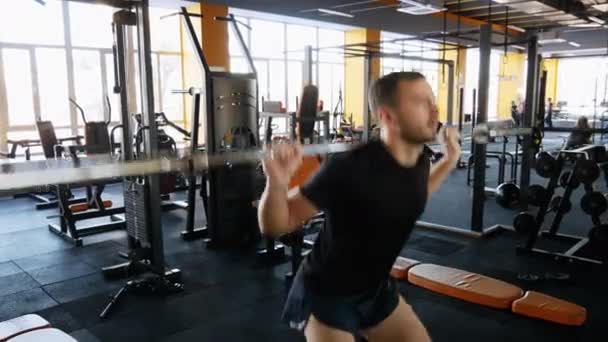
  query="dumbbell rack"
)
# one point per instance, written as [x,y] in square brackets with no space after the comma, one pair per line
[579,244]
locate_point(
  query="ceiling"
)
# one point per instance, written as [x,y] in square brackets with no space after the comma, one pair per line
[568,17]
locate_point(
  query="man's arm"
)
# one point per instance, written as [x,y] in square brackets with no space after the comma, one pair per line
[441,170]
[281,211]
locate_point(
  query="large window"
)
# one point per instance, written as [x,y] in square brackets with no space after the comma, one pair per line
[579,82]
[472,82]
[400,44]
[64,49]
[277,49]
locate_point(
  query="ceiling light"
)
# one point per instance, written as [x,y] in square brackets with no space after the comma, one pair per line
[601,7]
[518,47]
[597,20]
[336,13]
[588,25]
[575,44]
[420,7]
[551,41]
[516,28]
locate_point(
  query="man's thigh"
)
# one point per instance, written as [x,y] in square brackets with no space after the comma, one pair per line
[403,325]
[317,331]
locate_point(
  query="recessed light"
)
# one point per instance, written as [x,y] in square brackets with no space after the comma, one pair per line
[336,13]
[516,28]
[597,20]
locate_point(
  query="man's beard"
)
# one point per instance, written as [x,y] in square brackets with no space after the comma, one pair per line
[416,137]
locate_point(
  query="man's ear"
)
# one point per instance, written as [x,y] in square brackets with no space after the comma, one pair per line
[384,116]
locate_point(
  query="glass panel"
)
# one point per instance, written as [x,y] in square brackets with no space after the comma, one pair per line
[239,65]
[494,82]
[325,86]
[18,78]
[17,20]
[576,85]
[171,78]
[91,25]
[471,79]
[267,39]
[87,82]
[277,86]
[155,84]
[165,33]
[331,38]
[234,47]
[294,84]
[338,86]
[114,98]
[298,37]
[261,67]
[53,85]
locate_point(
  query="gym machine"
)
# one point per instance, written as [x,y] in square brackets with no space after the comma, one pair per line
[141,194]
[232,127]
[72,210]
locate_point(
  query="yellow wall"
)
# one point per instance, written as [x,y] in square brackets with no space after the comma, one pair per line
[443,83]
[354,74]
[551,65]
[511,78]
[214,35]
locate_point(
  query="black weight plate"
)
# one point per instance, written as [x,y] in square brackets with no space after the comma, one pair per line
[537,194]
[594,203]
[587,171]
[524,223]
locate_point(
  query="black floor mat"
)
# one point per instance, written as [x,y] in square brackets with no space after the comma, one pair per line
[435,246]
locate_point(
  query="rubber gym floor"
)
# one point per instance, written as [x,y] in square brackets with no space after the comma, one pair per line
[229,297]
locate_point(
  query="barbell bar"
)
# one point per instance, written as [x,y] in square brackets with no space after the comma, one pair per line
[16,177]
[31,174]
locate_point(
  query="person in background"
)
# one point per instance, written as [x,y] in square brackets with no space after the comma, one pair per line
[515,113]
[549,115]
[580,138]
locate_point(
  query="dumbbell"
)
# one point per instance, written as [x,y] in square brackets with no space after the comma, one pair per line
[537,194]
[587,171]
[555,203]
[524,223]
[545,164]
[594,203]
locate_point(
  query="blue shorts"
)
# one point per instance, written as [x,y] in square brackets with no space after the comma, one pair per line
[352,313]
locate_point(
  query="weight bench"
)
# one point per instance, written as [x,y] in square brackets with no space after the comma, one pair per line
[31,328]
[486,291]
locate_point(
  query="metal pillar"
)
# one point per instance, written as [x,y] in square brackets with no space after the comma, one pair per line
[529,118]
[307,77]
[365,110]
[150,139]
[479,180]
[120,82]
[451,73]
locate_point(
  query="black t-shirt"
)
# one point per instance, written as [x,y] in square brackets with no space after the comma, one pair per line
[371,204]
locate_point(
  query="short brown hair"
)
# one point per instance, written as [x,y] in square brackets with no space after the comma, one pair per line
[382,92]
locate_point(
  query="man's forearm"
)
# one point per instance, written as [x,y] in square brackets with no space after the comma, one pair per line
[273,210]
[439,172]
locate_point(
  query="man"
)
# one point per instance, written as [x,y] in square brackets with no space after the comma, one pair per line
[371,197]
[549,116]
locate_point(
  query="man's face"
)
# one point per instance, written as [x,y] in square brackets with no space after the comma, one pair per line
[415,117]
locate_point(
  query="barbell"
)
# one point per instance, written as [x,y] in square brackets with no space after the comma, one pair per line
[15,177]
[25,175]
